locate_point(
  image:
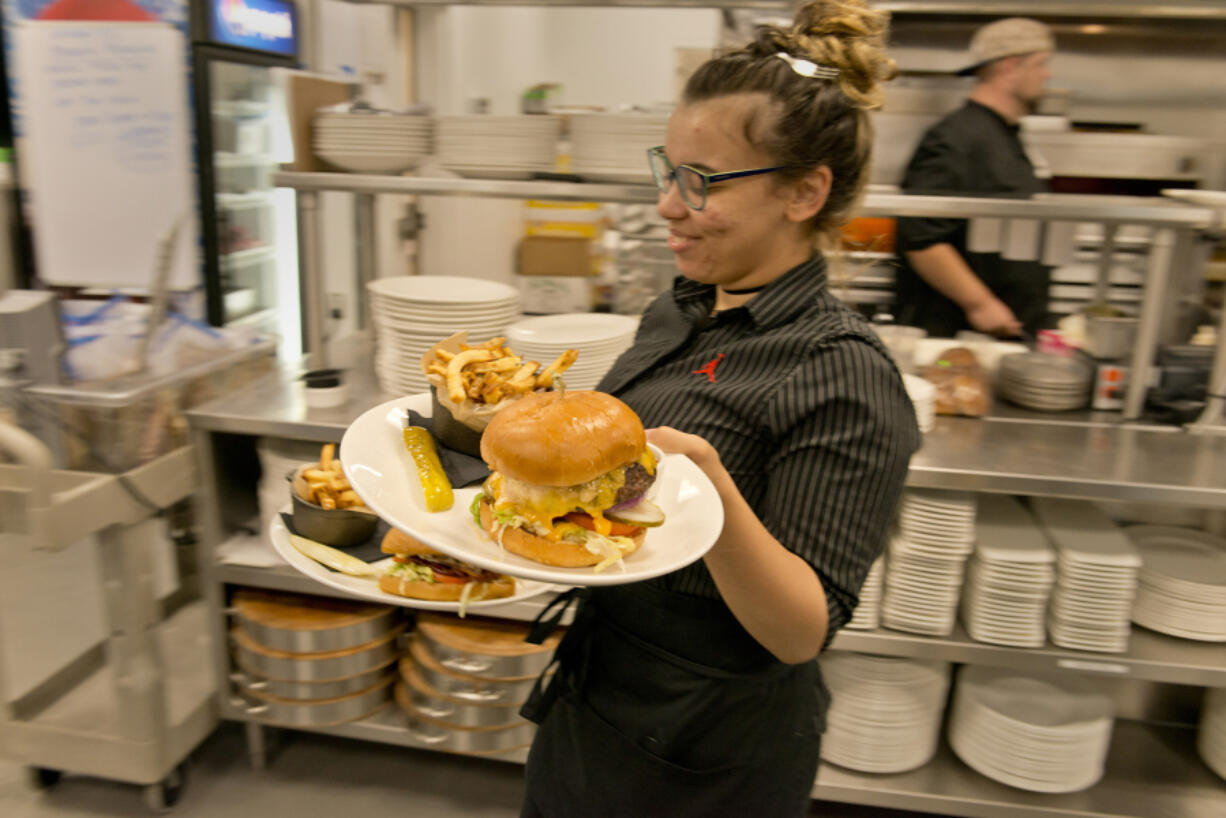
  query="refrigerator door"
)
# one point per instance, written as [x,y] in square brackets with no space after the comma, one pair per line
[250,229]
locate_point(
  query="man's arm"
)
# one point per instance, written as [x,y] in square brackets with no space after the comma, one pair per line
[943,269]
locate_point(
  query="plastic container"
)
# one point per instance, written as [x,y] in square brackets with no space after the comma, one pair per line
[118,424]
[1109,338]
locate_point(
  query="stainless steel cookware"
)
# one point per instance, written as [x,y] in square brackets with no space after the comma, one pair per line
[485,647]
[313,667]
[456,712]
[463,686]
[445,736]
[309,624]
[325,712]
[258,687]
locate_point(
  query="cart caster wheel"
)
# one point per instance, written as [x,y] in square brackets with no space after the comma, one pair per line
[162,796]
[44,778]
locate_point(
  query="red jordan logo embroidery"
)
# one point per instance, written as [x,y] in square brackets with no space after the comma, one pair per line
[709,369]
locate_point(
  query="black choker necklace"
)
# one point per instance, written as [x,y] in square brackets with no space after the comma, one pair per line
[746,291]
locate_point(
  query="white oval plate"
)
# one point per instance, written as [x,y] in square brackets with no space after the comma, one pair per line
[368,587]
[381,471]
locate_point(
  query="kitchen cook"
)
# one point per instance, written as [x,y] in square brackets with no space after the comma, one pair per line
[942,286]
[698,693]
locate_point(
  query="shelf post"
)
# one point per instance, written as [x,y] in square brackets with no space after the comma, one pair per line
[314,318]
[364,226]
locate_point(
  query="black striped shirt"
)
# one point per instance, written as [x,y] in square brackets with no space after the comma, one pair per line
[802,402]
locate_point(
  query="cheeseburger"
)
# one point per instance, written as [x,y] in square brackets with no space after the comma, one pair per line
[569,477]
[421,572]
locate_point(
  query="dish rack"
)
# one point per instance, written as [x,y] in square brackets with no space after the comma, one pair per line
[132,708]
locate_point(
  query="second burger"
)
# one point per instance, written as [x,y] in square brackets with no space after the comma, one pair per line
[569,478]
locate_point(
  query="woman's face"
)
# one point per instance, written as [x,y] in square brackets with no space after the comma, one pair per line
[744,235]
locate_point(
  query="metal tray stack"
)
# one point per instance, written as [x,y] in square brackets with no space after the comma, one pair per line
[306,661]
[462,683]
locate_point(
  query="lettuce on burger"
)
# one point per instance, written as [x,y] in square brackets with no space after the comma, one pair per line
[420,572]
[569,477]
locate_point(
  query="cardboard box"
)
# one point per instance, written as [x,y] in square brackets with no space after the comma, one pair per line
[556,256]
[556,294]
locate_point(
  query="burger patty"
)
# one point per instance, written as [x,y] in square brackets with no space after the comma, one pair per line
[638,480]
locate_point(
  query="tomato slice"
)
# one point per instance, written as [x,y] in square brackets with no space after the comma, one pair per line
[585,520]
[446,580]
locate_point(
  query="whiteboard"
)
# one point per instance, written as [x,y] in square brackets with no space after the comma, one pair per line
[105,152]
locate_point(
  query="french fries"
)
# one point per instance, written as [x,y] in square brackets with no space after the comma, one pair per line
[490,372]
[325,485]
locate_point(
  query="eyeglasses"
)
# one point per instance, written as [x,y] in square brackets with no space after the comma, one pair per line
[692,182]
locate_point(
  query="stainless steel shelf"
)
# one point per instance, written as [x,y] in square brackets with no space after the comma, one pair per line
[1068,207]
[1151,656]
[1017,453]
[1151,771]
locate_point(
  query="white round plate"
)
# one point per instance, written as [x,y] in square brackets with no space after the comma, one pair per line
[573,329]
[444,290]
[381,471]
[368,587]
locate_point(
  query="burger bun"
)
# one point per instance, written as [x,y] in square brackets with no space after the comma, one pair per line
[445,591]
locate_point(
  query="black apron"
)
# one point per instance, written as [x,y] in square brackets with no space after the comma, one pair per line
[663,704]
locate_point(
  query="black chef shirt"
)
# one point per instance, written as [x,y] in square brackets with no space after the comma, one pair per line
[972,151]
[804,406]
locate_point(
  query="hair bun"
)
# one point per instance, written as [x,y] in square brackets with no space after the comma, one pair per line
[850,36]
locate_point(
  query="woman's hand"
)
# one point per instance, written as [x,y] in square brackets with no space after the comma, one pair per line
[694,447]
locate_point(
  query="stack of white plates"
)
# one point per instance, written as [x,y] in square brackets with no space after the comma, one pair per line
[924,396]
[885,714]
[1211,738]
[613,147]
[498,147]
[411,314]
[1039,380]
[1096,576]
[372,142]
[1037,733]
[599,338]
[927,560]
[1181,589]
[868,612]
[1009,578]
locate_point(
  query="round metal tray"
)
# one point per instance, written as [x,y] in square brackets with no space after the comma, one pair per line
[326,712]
[309,624]
[431,703]
[469,688]
[259,688]
[476,740]
[313,667]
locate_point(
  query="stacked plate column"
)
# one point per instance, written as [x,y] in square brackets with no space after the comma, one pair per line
[1096,576]
[926,561]
[885,714]
[1009,578]
[1181,588]
[599,338]
[411,314]
[1039,733]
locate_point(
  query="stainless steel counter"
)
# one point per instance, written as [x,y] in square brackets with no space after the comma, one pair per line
[1081,455]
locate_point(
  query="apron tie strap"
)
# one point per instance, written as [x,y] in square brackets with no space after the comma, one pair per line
[574,646]
[548,619]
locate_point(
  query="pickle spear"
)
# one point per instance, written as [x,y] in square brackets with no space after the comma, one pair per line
[434,482]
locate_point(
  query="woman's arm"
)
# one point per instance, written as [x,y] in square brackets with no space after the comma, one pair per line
[773,593]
